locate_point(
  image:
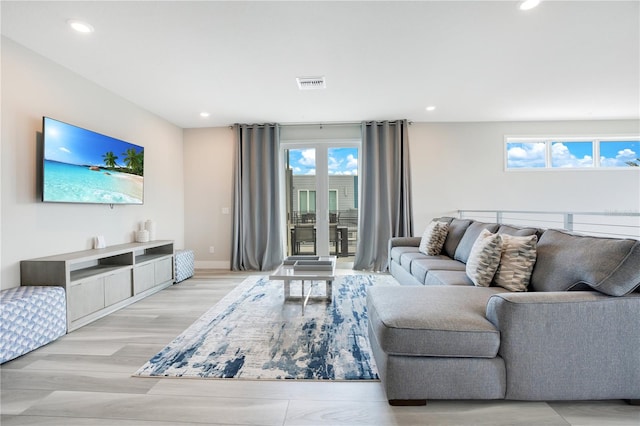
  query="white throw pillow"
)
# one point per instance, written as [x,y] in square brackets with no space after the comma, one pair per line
[433,238]
[516,263]
[484,258]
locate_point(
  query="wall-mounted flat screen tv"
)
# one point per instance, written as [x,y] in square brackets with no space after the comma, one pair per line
[81,166]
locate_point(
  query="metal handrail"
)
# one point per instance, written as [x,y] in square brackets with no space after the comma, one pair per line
[568,220]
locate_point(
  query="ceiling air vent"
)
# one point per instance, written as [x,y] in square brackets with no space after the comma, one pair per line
[311,83]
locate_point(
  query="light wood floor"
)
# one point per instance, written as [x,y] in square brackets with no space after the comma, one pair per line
[84,378]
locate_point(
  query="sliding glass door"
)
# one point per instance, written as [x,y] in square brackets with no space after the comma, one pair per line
[321,187]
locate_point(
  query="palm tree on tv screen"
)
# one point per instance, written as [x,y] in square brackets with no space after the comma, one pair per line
[110,159]
[134,160]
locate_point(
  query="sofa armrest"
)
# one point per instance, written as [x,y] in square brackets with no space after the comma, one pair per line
[401,242]
[568,345]
[404,241]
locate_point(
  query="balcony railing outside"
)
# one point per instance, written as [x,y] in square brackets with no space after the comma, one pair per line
[343,232]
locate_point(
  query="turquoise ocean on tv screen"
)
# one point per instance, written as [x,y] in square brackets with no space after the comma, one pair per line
[71,183]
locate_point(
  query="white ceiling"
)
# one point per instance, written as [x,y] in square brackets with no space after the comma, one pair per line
[474,60]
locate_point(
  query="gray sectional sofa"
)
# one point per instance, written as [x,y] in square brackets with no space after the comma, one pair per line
[573,335]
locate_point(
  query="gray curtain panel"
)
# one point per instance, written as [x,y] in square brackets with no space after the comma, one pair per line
[257,229]
[385,208]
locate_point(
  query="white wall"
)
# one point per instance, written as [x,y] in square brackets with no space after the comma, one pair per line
[188,175]
[317,132]
[32,87]
[208,189]
[461,166]
[454,166]
[208,185]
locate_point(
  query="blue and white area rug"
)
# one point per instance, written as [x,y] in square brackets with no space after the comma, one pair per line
[253,334]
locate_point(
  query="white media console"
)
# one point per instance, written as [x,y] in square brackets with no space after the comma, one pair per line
[98,282]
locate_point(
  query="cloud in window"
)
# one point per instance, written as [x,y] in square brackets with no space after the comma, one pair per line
[346,166]
[574,154]
[308,157]
[334,164]
[352,162]
[562,155]
[620,160]
[341,161]
[526,155]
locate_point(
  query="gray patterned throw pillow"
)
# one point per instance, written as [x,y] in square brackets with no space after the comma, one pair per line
[516,263]
[484,258]
[433,238]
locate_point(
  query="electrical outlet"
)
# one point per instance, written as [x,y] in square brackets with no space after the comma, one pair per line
[225,210]
[212,249]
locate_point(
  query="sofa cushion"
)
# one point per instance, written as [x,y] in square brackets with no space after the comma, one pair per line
[418,271]
[457,228]
[440,263]
[470,236]
[397,252]
[484,258]
[420,267]
[516,262]
[433,238]
[438,321]
[447,278]
[567,261]
[407,259]
[517,231]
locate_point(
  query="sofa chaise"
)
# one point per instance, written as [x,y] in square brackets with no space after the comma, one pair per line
[571,333]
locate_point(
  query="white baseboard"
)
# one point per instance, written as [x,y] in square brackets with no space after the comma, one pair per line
[212,264]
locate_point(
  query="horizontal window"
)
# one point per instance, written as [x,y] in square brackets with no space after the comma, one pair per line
[620,153]
[571,153]
[526,155]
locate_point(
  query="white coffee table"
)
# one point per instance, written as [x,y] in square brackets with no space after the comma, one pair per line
[287,273]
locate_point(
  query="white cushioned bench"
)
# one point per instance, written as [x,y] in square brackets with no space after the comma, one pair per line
[32,316]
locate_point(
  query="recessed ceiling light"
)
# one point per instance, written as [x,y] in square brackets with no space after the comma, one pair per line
[529,4]
[430,108]
[204,114]
[79,26]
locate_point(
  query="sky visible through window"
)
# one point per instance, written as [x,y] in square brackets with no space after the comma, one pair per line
[572,154]
[342,161]
[617,154]
[525,155]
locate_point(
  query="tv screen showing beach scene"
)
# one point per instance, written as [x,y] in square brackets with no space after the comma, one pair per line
[81,166]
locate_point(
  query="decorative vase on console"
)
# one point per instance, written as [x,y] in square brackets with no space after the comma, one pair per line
[150,226]
[142,236]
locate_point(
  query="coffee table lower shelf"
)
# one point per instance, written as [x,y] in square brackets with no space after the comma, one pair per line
[287,274]
[306,294]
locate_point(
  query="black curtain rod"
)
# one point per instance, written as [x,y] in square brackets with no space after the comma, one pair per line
[336,123]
